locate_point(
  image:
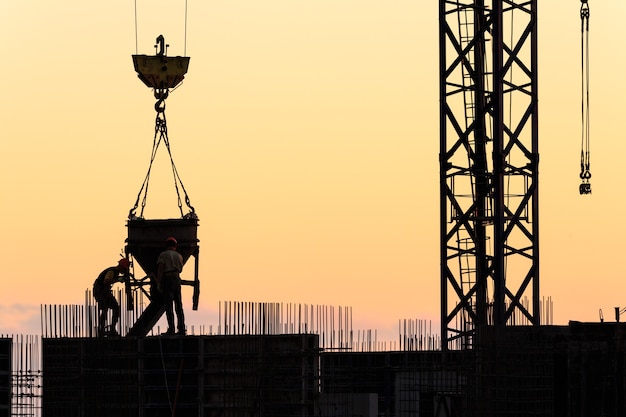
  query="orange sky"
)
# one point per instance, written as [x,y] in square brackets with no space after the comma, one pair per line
[306,134]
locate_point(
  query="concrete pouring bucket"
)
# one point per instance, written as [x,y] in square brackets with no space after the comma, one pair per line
[146,240]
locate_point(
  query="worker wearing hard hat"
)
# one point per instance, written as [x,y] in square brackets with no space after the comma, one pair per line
[104,296]
[169,267]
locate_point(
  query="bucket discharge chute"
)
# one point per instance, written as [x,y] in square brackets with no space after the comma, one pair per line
[146,237]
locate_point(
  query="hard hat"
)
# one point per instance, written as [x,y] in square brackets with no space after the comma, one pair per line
[171,239]
[123,263]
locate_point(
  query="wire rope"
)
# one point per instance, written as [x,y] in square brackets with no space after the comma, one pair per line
[585,148]
[136,31]
[144,186]
[160,135]
[185,42]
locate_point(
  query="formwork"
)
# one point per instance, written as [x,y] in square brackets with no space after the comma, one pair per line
[596,369]
[574,371]
[406,383]
[557,371]
[271,375]
[519,371]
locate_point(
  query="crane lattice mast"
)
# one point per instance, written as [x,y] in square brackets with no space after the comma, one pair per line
[489,244]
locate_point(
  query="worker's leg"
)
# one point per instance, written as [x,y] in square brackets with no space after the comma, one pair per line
[115,308]
[169,314]
[108,302]
[102,319]
[178,305]
[169,311]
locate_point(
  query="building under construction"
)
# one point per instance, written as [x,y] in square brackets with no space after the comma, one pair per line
[497,354]
[573,370]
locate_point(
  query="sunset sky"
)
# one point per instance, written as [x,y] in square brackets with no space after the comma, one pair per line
[307,136]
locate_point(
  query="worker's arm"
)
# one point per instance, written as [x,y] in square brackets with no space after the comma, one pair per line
[110,278]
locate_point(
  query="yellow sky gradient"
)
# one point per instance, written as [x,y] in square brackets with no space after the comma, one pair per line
[306,134]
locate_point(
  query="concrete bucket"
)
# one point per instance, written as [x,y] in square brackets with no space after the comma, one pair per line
[146,240]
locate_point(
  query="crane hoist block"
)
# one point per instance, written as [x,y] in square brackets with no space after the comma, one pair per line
[160,71]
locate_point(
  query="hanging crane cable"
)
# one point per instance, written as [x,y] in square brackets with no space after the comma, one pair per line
[161,73]
[585,173]
[160,136]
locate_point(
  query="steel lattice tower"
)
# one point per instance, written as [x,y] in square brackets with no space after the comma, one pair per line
[488,167]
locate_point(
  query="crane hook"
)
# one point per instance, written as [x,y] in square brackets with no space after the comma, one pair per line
[160,94]
[162,47]
[584,8]
[585,176]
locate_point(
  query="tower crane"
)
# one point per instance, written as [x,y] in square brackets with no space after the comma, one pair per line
[489,217]
[489,210]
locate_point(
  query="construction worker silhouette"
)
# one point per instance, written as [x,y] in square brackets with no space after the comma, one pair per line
[169,267]
[104,296]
